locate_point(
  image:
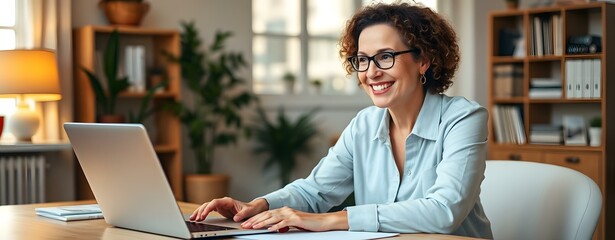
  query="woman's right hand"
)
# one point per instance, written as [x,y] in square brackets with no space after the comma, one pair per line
[230,208]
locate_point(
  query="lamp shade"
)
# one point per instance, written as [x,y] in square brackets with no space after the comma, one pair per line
[29,73]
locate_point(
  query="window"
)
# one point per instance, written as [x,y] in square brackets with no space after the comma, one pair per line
[7,42]
[7,24]
[300,38]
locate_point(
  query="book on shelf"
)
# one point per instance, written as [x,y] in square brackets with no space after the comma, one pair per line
[546,134]
[71,213]
[596,78]
[508,80]
[545,82]
[508,124]
[545,93]
[583,78]
[135,67]
[546,35]
[545,88]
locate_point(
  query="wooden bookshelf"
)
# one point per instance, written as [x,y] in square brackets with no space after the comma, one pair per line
[580,19]
[163,127]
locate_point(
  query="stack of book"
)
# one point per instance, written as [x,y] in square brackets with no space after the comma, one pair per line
[71,213]
[508,80]
[545,88]
[546,134]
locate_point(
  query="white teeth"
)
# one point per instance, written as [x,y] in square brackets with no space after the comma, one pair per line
[381,86]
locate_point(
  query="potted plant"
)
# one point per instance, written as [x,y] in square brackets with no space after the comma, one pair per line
[595,132]
[317,85]
[289,81]
[106,99]
[213,117]
[124,12]
[283,140]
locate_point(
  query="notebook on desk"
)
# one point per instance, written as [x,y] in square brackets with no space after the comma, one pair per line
[129,184]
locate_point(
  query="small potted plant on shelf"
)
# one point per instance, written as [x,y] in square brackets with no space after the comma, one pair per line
[595,132]
[106,99]
[289,82]
[124,12]
[316,85]
[284,140]
[213,118]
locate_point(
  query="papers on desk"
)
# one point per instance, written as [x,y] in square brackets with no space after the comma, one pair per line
[330,235]
[71,213]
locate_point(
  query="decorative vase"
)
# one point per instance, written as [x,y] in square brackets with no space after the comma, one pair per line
[201,188]
[124,12]
[595,136]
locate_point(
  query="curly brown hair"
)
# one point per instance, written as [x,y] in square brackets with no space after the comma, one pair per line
[419,27]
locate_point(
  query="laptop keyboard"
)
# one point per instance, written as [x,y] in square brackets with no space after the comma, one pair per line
[202,227]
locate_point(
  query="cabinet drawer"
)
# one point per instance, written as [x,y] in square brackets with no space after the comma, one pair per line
[515,155]
[587,163]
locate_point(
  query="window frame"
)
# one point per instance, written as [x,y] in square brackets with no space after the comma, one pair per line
[304,38]
[8,104]
[304,99]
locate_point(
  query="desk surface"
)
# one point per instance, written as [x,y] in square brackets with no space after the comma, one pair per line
[20,222]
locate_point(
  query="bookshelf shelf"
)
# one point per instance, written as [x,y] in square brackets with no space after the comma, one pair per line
[545,68]
[163,127]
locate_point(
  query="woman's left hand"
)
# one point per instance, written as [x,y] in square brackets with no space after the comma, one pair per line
[287,217]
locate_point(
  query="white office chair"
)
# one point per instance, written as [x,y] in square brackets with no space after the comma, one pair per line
[528,200]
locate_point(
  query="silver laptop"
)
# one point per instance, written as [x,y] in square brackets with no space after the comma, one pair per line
[129,184]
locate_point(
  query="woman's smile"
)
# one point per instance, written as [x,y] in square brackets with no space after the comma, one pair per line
[381,87]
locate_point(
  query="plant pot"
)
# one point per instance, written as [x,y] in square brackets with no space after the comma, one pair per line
[595,136]
[114,118]
[124,13]
[201,188]
[290,86]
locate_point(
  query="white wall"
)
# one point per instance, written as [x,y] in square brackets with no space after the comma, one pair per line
[248,179]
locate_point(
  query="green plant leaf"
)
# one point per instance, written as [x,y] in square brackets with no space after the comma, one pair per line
[218,97]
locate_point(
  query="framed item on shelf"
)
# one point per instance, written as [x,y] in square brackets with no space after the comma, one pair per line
[575,132]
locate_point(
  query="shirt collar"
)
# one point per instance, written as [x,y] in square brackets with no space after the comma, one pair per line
[427,123]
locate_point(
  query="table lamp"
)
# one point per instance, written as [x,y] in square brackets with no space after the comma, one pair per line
[28,74]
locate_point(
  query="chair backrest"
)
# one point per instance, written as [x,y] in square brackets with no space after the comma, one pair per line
[528,200]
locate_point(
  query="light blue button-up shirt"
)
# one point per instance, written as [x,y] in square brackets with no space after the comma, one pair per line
[440,186]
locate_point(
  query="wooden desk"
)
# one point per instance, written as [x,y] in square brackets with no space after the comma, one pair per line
[20,222]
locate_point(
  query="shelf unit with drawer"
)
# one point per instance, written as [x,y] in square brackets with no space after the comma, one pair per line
[514,36]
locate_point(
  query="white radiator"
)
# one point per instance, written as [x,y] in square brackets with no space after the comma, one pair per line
[22,179]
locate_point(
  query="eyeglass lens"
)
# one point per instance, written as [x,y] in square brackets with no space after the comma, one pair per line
[383,60]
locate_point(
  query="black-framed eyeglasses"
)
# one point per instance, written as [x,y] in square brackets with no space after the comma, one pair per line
[383,60]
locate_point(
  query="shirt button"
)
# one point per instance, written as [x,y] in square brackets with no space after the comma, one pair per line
[409,173]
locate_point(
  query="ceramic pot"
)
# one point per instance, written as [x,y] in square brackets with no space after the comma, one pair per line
[201,188]
[595,136]
[124,12]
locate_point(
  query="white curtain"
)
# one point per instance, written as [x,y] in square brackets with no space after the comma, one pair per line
[47,24]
